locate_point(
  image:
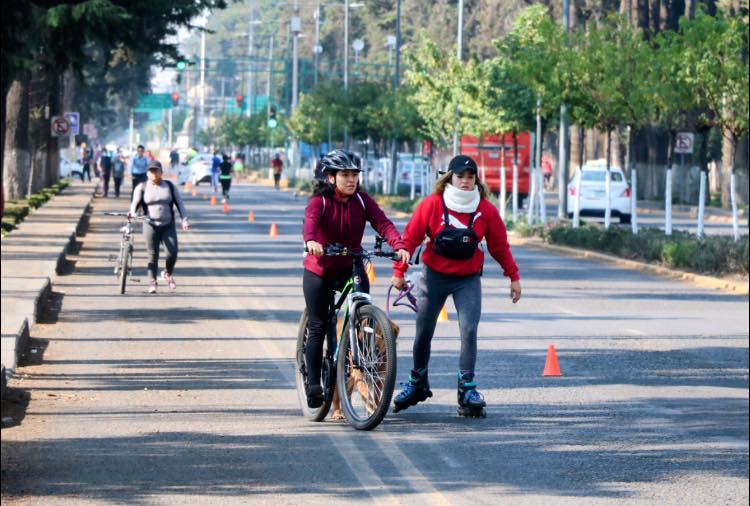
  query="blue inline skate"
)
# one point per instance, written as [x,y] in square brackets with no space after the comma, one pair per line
[470,401]
[415,391]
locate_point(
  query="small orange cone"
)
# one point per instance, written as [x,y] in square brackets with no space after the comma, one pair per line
[371,272]
[251,217]
[443,316]
[205,196]
[195,193]
[551,367]
[213,200]
[226,207]
[274,232]
[188,185]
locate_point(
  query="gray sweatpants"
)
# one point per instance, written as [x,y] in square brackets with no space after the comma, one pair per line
[433,290]
[154,236]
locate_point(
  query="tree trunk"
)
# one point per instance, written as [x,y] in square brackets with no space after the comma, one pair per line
[728,151]
[16,157]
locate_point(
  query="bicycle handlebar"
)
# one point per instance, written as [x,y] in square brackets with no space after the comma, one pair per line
[336,250]
[129,217]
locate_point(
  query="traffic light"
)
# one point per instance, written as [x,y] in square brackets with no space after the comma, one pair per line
[181,65]
[175,99]
[240,101]
[272,118]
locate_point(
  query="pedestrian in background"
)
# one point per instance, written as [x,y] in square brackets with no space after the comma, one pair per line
[105,163]
[118,171]
[215,163]
[138,167]
[85,159]
[277,166]
[225,176]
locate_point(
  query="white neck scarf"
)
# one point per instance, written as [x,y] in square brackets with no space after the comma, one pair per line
[461,201]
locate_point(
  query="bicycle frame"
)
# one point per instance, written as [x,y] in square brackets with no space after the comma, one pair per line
[355,297]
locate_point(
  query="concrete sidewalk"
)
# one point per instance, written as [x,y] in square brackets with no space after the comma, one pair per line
[32,256]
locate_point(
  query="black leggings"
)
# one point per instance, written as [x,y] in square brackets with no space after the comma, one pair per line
[155,236]
[226,184]
[319,294]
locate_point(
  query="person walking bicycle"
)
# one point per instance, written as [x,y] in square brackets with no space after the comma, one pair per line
[158,197]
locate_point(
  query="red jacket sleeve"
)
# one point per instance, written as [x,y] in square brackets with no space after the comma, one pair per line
[380,222]
[497,243]
[313,215]
[414,233]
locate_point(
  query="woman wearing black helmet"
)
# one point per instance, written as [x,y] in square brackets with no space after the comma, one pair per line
[336,213]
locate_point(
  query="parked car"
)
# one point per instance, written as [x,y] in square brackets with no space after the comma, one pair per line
[416,166]
[70,169]
[593,197]
[197,171]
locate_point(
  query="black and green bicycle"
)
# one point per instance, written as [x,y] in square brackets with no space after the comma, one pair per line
[359,363]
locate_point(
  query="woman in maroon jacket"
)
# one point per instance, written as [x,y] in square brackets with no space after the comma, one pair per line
[456,218]
[336,213]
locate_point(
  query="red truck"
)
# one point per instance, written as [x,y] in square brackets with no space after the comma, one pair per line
[491,151]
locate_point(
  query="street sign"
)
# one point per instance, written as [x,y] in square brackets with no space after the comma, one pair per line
[74,119]
[154,101]
[684,143]
[60,126]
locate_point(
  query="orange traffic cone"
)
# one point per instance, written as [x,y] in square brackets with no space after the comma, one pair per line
[274,232]
[205,196]
[371,272]
[551,367]
[213,200]
[188,185]
[251,217]
[443,316]
[226,207]
[195,193]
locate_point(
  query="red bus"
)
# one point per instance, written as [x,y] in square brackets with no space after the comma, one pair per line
[491,151]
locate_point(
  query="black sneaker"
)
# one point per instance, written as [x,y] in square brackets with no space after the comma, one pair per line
[314,396]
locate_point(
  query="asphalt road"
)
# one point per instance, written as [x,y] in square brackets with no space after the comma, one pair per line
[188,397]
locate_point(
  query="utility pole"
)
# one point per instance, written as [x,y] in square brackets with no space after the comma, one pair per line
[459,52]
[346,45]
[562,158]
[296,27]
[202,116]
[396,83]
[250,63]
[317,48]
[270,72]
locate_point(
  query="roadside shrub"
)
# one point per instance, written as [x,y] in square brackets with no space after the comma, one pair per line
[711,255]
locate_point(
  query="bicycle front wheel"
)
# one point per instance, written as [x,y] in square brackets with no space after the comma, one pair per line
[314,414]
[367,374]
[125,256]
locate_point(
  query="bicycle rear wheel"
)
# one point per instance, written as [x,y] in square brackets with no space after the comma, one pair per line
[366,387]
[327,373]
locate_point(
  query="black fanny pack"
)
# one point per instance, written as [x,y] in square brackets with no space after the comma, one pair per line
[456,243]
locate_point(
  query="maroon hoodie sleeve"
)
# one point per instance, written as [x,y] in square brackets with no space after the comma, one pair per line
[497,243]
[313,215]
[381,223]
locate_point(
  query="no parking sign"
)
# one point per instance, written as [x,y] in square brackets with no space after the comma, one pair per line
[60,126]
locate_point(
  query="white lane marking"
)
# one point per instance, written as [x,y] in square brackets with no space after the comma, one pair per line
[343,441]
[635,332]
[560,308]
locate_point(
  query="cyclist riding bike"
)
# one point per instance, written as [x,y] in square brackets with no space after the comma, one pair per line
[335,214]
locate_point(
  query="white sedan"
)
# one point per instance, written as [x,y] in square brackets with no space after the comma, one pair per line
[197,171]
[70,169]
[593,195]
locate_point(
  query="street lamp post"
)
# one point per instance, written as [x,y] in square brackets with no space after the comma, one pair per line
[296,27]
[459,52]
[562,158]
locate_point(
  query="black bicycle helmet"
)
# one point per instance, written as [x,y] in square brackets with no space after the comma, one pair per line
[339,159]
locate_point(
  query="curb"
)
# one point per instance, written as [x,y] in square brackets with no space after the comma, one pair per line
[730,286]
[40,299]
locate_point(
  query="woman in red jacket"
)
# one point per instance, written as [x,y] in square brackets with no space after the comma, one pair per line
[336,213]
[456,218]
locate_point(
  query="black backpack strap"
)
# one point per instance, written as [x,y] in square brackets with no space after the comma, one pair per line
[446,220]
